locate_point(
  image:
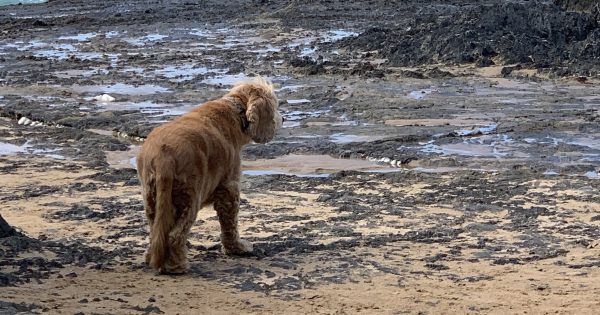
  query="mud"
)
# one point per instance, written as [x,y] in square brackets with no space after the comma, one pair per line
[417,171]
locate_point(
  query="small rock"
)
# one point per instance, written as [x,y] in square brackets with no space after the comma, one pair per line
[22,120]
[104,98]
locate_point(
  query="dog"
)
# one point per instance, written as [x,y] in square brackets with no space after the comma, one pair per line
[194,161]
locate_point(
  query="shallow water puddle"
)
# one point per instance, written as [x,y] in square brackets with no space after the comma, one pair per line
[121,88]
[123,159]
[79,73]
[437,122]
[293,164]
[226,79]
[498,146]
[185,72]
[420,94]
[346,138]
[79,37]
[309,165]
[11,149]
[148,107]
[299,101]
[143,40]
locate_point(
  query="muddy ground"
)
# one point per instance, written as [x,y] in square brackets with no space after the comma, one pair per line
[436,158]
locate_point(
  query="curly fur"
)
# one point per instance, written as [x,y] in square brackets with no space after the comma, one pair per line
[194,161]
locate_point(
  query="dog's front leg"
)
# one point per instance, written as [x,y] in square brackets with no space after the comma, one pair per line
[227,204]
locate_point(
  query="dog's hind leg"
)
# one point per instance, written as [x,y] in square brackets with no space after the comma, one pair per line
[227,203]
[187,208]
[149,195]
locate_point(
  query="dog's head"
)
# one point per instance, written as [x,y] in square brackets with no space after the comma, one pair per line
[261,109]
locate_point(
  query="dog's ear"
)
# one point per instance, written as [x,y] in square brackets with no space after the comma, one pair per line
[260,113]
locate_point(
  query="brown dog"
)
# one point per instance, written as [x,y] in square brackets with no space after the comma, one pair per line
[194,161]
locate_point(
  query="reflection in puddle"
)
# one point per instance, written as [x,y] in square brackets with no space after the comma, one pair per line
[186,72]
[300,101]
[436,122]
[297,115]
[417,95]
[11,149]
[309,165]
[121,88]
[227,79]
[149,107]
[141,41]
[485,146]
[476,131]
[123,159]
[591,175]
[79,37]
[79,73]
[345,138]
[271,172]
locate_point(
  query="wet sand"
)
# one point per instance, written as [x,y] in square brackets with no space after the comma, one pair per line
[432,188]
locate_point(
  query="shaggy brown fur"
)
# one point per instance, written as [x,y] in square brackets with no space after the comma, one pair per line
[194,161]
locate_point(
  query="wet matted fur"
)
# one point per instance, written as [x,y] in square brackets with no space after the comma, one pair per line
[194,161]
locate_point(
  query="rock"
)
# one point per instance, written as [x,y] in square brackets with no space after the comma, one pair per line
[104,98]
[5,228]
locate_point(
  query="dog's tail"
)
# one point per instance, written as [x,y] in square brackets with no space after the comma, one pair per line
[164,217]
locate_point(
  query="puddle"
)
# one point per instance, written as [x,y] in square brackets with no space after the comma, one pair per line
[436,122]
[11,149]
[120,88]
[345,138]
[309,165]
[141,41]
[185,72]
[335,35]
[297,115]
[111,34]
[291,88]
[476,131]
[300,101]
[587,142]
[591,175]
[498,146]
[227,79]
[148,107]
[123,159]
[8,2]
[271,172]
[79,73]
[79,37]
[418,95]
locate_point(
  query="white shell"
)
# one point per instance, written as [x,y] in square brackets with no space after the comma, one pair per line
[22,120]
[393,163]
[386,160]
[104,98]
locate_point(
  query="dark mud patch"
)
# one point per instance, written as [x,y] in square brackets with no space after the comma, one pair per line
[22,270]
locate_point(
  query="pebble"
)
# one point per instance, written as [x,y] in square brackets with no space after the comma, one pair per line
[24,121]
[104,98]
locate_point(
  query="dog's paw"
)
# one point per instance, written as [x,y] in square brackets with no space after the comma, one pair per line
[241,247]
